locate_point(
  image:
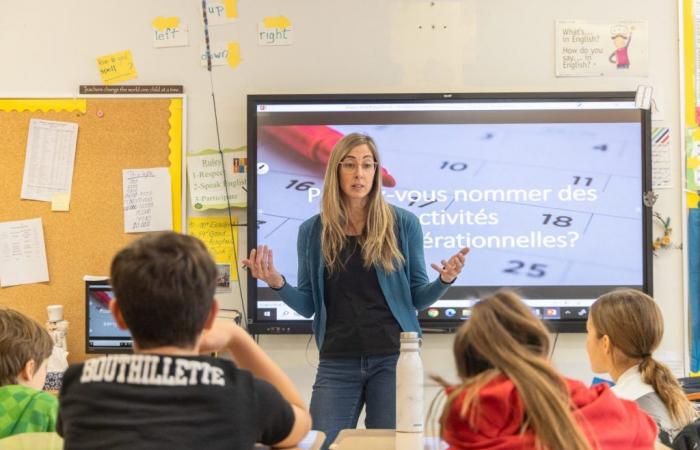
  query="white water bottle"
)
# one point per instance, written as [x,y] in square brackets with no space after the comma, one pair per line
[409,385]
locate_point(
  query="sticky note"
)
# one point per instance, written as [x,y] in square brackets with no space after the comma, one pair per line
[234,54]
[692,162]
[60,201]
[277,22]
[273,31]
[161,23]
[231,8]
[117,67]
[692,199]
[169,32]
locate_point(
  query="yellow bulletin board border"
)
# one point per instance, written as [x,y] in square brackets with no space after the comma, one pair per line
[42,104]
[688,122]
[177,172]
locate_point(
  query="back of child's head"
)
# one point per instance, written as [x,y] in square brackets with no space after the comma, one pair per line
[21,340]
[504,337]
[164,285]
[635,326]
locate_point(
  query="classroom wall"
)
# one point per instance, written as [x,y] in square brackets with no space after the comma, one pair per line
[48,48]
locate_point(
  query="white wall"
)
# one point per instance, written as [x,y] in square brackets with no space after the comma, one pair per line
[49,48]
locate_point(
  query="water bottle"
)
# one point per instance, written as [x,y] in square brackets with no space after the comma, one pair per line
[409,386]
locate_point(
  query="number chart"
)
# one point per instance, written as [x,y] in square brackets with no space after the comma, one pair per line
[538,204]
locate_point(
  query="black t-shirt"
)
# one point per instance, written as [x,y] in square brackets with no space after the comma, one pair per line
[358,320]
[168,402]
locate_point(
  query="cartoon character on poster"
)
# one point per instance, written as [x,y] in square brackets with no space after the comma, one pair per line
[621,38]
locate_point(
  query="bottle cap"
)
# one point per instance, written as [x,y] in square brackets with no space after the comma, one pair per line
[55,313]
[409,337]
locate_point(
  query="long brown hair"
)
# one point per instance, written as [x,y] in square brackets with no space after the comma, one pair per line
[503,337]
[633,322]
[378,239]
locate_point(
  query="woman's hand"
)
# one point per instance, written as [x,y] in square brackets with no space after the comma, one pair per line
[262,267]
[452,267]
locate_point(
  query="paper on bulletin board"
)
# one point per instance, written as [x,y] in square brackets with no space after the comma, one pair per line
[661,171]
[216,232]
[169,32]
[206,179]
[273,31]
[49,159]
[147,200]
[222,12]
[22,253]
[60,201]
[117,67]
[692,159]
[593,49]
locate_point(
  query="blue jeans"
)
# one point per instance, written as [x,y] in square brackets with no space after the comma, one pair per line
[344,385]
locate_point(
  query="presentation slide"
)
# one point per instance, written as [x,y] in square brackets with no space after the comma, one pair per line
[549,204]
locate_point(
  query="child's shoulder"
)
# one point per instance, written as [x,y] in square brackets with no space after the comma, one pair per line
[18,394]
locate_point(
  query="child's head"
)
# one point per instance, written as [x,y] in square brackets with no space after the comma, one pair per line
[625,326]
[164,285]
[499,324]
[504,337]
[619,41]
[24,348]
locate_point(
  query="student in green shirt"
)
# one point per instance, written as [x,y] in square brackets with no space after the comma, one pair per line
[24,348]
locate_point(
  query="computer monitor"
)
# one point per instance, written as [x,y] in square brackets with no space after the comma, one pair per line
[545,188]
[102,335]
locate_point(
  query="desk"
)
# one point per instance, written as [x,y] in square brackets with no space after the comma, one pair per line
[312,441]
[52,441]
[32,441]
[358,439]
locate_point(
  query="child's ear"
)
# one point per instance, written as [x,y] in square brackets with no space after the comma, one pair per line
[211,317]
[27,373]
[607,347]
[117,313]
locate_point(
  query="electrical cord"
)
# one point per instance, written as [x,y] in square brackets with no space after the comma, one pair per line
[223,165]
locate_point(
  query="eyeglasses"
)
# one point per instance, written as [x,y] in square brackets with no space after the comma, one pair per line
[351,166]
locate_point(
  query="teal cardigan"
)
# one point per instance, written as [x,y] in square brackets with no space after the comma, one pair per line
[406,289]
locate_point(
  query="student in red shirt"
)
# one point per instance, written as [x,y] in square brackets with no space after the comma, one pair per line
[510,397]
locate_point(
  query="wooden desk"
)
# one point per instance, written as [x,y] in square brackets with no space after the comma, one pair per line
[32,441]
[52,441]
[358,439]
[312,441]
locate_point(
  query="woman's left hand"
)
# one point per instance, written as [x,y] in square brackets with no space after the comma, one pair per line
[452,267]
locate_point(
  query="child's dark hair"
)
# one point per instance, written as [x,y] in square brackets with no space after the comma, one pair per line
[21,339]
[164,284]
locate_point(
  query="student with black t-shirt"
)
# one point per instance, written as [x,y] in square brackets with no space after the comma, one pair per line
[362,276]
[166,396]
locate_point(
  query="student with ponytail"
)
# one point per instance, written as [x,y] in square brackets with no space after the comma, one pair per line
[510,397]
[624,328]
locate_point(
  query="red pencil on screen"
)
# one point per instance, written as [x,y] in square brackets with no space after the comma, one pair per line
[102,297]
[313,142]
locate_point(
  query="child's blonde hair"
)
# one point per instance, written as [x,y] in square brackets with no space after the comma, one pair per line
[503,337]
[633,322]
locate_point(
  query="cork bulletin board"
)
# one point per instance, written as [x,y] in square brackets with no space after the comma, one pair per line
[113,134]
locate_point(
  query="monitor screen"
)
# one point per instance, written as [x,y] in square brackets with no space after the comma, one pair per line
[102,335]
[545,189]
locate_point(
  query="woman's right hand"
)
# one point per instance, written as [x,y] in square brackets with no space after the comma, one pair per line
[261,266]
